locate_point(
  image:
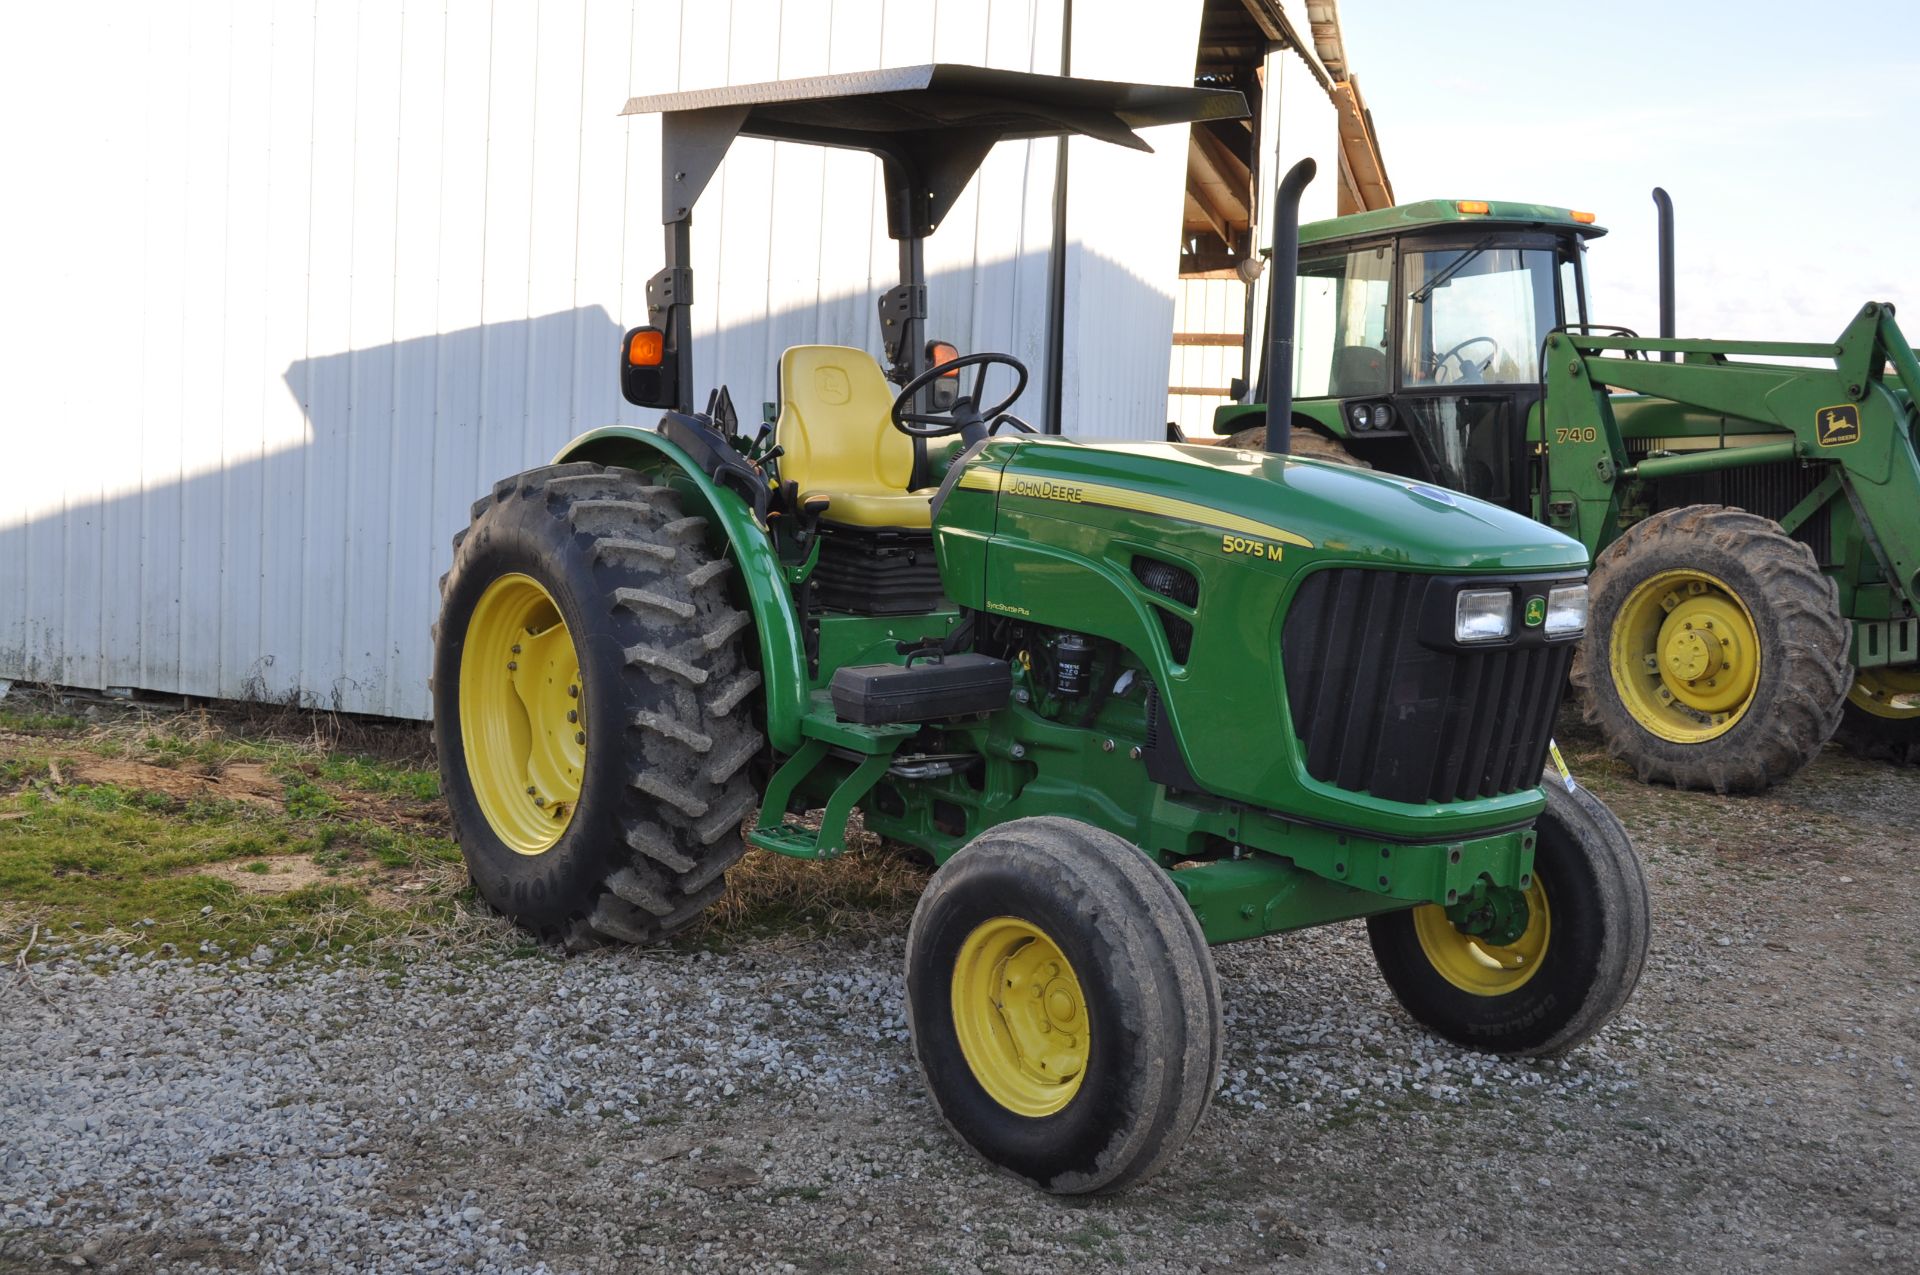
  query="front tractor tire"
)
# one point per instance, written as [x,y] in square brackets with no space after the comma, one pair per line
[593,706]
[1716,654]
[1574,942]
[1063,1005]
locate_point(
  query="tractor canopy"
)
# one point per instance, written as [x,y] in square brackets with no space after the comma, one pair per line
[930,126]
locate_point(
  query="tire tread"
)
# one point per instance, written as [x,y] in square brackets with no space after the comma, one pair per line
[686,686]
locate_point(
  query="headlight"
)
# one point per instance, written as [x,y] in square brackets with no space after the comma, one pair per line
[1358,416]
[1482,615]
[1382,416]
[1566,610]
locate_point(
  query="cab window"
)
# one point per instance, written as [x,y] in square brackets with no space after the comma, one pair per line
[1477,316]
[1340,348]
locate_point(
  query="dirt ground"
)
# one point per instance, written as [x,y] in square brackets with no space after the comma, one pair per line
[756,1107]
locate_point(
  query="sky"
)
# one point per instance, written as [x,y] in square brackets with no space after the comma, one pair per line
[1787,134]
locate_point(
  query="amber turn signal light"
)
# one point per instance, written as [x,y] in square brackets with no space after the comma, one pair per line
[647,347]
[1472,206]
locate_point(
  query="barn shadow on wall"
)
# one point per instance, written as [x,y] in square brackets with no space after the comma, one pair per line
[308,574]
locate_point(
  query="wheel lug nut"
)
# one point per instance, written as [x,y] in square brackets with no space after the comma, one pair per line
[516,648]
[574,691]
[579,737]
[531,790]
[512,665]
[540,801]
[573,714]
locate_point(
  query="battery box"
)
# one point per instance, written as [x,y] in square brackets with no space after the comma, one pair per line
[929,689]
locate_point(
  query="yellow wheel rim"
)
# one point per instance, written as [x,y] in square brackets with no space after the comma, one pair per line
[1020,1017]
[1892,693]
[523,720]
[1476,966]
[1685,656]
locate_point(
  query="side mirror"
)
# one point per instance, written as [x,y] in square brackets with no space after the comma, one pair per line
[945,391]
[647,371]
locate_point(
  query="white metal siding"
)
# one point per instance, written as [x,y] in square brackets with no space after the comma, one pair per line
[289,284]
[1215,307]
[1300,123]
[1123,229]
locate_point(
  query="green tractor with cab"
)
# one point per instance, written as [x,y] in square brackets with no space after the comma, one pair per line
[1754,523]
[1133,698]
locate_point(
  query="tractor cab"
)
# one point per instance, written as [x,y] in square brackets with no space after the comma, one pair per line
[1419,335]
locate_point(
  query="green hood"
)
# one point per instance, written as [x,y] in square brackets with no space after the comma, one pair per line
[1314,508]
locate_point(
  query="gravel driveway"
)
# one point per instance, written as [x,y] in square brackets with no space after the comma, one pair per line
[1755,1109]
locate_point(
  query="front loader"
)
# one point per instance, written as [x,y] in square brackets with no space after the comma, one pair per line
[1134,699]
[1754,522]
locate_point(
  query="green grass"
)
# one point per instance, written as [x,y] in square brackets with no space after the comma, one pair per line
[308,801]
[243,826]
[357,852]
[387,779]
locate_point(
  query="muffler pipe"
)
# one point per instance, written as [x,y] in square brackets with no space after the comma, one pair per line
[1664,203]
[1281,271]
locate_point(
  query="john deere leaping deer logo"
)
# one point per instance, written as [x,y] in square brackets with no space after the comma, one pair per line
[1838,426]
[1536,612]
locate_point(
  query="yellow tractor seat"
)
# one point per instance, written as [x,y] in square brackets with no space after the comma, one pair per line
[836,426]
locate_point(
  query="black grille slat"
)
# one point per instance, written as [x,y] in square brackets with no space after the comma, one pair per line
[1378,712]
[1533,696]
[1488,720]
[1327,724]
[1373,672]
[1450,763]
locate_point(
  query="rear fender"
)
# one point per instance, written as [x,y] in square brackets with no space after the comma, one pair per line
[762,580]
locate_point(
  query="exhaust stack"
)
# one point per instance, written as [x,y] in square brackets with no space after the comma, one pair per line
[1664,202]
[1285,265]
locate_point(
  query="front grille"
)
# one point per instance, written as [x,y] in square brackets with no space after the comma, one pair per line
[1770,490]
[1378,712]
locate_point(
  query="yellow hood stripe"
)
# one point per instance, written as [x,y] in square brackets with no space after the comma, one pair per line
[1076,492]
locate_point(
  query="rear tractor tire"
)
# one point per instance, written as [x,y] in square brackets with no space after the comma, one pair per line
[1305,443]
[1882,717]
[1063,1005]
[1716,654]
[1569,961]
[593,706]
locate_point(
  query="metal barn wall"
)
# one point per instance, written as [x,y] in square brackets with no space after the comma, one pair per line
[290,283]
[1301,123]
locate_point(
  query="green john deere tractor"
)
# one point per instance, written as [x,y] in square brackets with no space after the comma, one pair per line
[1133,698]
[1754,525]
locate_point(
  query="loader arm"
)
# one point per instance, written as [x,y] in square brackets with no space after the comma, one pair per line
[1849,418]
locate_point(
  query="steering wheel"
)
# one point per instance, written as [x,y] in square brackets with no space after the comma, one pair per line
[965,417]
[1454,354]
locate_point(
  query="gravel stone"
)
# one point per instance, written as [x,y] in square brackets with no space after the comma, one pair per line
[1754,1108]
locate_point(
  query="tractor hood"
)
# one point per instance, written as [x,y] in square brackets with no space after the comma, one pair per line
[1276,505]
[1197,560]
